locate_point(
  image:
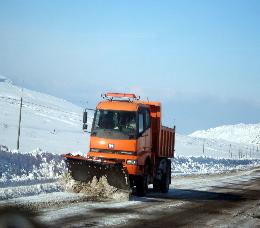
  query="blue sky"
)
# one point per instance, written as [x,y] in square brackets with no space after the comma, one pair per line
[200,58]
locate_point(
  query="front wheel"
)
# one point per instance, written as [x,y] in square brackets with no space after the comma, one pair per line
[142,183]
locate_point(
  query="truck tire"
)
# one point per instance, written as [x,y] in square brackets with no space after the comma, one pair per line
[142,183]
[166,180]
[157,186]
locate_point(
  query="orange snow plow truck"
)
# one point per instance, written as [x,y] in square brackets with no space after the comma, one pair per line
[128,145]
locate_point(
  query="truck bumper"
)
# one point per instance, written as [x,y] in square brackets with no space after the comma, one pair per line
[133,169]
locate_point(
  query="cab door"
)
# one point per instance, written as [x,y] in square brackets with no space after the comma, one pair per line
[148,131]
[144,133]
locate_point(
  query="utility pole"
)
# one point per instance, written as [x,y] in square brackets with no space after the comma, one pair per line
[230,153]
[239,153]
[203,149]
[19,125]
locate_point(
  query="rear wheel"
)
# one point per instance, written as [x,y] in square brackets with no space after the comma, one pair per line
[157,186]
[166,179]
[165,184]
[162,183]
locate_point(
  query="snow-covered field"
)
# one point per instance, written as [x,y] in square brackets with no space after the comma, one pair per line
[216,148]
[48,123]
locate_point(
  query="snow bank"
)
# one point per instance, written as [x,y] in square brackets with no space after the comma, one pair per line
[37,165]
[207,165]
[40,167]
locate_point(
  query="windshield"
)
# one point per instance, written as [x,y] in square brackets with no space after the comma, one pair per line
[114,124]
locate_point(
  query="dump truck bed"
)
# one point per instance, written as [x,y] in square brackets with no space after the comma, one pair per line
[166,142]
[163,138]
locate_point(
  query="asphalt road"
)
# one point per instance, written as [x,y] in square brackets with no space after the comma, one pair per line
[235,204]
[220,200]
[228,200]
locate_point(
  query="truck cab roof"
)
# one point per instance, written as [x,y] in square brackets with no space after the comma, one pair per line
[119,105]
[126,105]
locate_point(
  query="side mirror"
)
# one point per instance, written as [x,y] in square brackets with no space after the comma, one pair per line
[85,119]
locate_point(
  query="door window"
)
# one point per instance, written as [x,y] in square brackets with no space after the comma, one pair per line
[141,122]
[147,119]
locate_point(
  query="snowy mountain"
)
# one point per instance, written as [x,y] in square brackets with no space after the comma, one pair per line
[49,123]
[216,148]
[4,79]
[239,133]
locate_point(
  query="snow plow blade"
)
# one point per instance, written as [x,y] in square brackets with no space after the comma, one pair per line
[84,170]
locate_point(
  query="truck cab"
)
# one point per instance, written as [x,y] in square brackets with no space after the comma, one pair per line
[121,133]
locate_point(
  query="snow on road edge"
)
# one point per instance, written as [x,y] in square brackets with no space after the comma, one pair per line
[23,174]
[207,165]
[30,167]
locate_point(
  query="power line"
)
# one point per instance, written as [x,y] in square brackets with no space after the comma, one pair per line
[17,101]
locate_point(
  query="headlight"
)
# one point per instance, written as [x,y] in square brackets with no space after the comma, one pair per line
[131,162]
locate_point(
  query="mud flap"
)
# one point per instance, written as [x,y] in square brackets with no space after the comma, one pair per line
[84,170]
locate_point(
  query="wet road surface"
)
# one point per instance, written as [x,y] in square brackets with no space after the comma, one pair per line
[220,200]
